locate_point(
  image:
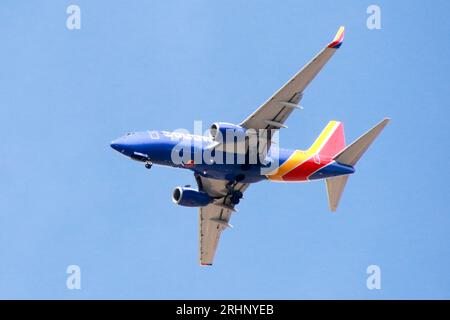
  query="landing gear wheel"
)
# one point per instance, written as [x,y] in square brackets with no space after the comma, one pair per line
[234,199]
[234,195]
[238,194]
[148,165]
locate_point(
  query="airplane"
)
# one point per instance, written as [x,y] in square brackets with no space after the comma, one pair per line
[220,186]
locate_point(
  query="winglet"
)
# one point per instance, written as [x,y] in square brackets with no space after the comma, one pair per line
[338,39]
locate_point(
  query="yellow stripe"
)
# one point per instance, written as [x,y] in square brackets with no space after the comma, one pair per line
[298,156]
[317,145]
[294,160]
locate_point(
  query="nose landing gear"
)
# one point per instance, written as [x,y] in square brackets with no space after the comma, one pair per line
[148,164]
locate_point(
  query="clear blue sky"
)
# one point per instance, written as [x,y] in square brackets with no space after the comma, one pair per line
[67,198]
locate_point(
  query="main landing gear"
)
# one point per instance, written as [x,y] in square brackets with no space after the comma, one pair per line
[235,195]
[148,164]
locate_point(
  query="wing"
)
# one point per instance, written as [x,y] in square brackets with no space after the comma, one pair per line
[215,217]
[274,112]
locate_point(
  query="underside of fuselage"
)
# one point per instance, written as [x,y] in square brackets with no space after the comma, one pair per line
[194,153]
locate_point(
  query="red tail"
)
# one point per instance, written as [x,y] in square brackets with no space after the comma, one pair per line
[331,141]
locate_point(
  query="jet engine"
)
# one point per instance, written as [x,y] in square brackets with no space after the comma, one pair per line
[190,197]
[219,131]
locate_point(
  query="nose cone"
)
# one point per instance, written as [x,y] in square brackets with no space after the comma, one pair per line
[131,144]
[118,145]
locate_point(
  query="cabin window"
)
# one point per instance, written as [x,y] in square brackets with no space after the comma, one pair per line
[154,135]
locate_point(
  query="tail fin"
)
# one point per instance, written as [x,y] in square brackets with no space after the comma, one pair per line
[350,156]
[330,142]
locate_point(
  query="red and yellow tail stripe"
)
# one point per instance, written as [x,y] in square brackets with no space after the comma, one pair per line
[301,164]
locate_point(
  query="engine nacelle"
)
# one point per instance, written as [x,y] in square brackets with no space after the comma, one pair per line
[190,197]
[218,131]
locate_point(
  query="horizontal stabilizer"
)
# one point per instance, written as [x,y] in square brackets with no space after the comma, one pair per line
[335,187]
[350,155]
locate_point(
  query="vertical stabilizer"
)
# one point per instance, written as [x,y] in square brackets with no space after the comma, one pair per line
[330,142]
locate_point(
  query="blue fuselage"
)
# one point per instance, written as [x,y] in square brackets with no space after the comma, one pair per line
[161,147]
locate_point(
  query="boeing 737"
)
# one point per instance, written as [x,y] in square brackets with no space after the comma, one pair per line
[221,183]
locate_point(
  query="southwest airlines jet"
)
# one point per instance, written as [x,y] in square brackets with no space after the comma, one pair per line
[221,184]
